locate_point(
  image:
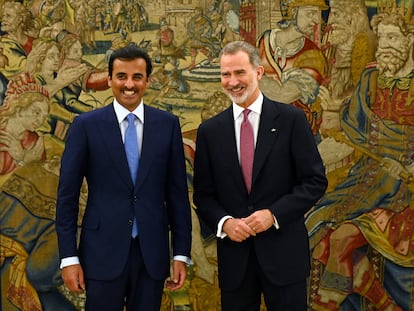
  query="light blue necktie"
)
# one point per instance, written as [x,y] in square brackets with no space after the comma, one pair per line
[132,153]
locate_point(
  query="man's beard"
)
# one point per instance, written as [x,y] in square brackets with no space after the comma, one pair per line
[309,31]
[339,35]
[241,99]
[394,62]
[341,81]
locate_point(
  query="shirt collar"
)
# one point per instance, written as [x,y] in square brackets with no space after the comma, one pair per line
[256,107]
[121,112]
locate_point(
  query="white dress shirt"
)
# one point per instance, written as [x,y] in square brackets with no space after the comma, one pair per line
[254,118]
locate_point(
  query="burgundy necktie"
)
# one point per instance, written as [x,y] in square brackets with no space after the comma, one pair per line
[246,149]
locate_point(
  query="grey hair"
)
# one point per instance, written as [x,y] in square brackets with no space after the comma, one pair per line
[236,46]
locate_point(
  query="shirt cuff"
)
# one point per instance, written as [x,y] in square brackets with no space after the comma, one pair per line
[276,224]
[185,259]
[69,261]
[220,233]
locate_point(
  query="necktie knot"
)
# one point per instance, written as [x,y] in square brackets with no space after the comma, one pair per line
[131,119]
[246,115]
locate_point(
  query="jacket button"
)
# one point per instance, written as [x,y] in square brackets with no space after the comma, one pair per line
[250,208]
[130,222]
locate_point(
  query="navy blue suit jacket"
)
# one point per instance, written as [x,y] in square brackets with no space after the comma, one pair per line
[288,178]
[159,200]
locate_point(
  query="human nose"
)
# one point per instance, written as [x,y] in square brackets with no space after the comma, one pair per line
[383,42]
[129,83]
[232,80]
[40,118]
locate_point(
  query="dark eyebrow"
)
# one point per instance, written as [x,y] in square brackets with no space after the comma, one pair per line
[135,75]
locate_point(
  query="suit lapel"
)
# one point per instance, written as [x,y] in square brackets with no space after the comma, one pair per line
[227,138]
[268,132]
[111,135]
[150,141]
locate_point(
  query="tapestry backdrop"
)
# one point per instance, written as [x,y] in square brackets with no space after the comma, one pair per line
[348,64]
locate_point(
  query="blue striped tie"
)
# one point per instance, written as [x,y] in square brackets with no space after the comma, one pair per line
[132,153]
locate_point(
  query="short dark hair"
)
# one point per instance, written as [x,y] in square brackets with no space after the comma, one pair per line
[130,52]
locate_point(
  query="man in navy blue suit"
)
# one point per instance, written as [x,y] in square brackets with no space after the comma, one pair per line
[115,267]
[257,210]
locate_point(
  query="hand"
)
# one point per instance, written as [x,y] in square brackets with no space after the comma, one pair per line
[260,220]
[394,168]
[330,123]
[67,75]
[11,145]
[34,56]
[237,229]
[35,153]
[179,270]
[73,278]
[300,80]
[325,97]
[64,77]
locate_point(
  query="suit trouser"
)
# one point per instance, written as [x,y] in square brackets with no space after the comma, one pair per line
[134,288]
[247,297]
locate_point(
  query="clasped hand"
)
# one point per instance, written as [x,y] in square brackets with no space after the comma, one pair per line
[239,229]
[396,169]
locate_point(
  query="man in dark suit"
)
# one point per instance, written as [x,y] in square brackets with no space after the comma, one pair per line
[258,216]
[116,264]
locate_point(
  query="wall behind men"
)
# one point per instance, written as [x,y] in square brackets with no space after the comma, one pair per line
[184,38]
